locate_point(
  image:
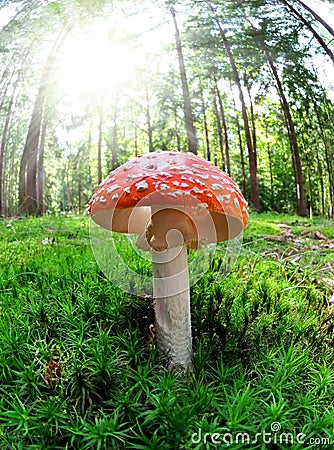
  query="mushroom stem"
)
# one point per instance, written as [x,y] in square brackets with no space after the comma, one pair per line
[172,304]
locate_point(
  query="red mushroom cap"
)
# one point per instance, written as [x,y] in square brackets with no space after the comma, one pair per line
[166,179]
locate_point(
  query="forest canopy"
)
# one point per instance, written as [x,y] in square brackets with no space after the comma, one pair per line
[85,85]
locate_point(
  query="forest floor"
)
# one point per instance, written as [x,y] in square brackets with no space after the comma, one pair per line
[79,368]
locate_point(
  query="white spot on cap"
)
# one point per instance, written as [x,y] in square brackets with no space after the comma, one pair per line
[179,168]
[199,182]
[204,176]
[236,203]
[176,183]
[199,166]
[164,187]
[197,191]
[165,174]
[114,197]
[141,186]
[127,190]
[188,172]
[131,176]
[184,185]
[102,199]
[226,198]
[112,188]
[216,187]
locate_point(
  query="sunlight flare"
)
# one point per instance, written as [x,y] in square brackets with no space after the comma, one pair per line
[92,65]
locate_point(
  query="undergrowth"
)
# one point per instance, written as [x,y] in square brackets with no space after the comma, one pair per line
[263,374]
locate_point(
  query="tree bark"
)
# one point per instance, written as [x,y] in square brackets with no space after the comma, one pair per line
[317,17]
[188,113]
[252,115]
[28,201]
[297,165]
[114,141]
[329,163]
[310,28]
[3,149]
[41,178]
[28,166]
[254,186]
[270,159]
[99,146]
[176,119]
[149,124]
[219,130]
[224,125]
[206,129]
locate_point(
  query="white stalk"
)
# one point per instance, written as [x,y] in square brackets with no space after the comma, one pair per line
[172,304]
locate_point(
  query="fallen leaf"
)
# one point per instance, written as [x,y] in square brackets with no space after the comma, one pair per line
[318,235]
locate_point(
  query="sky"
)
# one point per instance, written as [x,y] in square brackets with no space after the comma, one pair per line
[324,8]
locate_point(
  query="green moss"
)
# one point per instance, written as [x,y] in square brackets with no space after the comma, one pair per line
[263,340]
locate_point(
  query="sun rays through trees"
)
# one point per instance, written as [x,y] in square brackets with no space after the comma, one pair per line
[86,85]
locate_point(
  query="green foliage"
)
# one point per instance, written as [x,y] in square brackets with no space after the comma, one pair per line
[263,341]
[111,82]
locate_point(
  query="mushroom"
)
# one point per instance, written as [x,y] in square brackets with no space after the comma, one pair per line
[173,201]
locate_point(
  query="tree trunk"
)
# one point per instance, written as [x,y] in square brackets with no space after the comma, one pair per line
[188,113]
[322,186]
[5,88]
[329,163]
[224,124]
[252,115]
[176,119]
[270,159]
[317,17]
[41,179]
[136,139]
[114,161]
[297,165]
[310,28]
[149,124]
[11,186]
[219,130]
[3,149]
[28,166]
[206,129]
[28,201]
[99,146]
[254,187]
[241,147]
